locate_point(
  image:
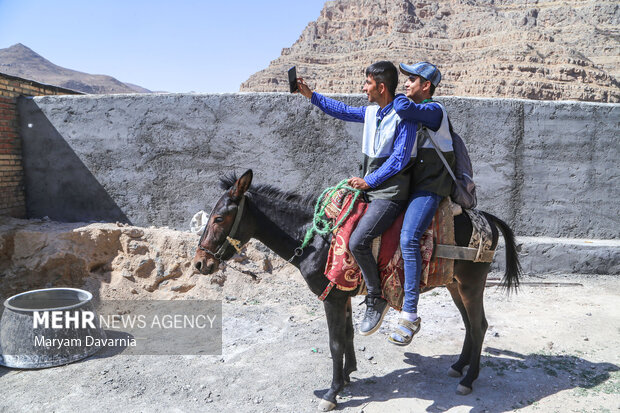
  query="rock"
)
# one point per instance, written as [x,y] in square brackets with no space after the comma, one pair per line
[145,267]
[267,266]
[262,247]
[135,233]
[239,258]
[137,247]
[509,50]
[218,279]
[182,288]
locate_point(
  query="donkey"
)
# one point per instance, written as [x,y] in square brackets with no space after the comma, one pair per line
[279,220]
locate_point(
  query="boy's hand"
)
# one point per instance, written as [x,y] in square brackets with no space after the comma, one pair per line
[358,183]
[303,88]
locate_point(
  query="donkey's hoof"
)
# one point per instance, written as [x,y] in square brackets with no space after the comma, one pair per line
[463,390]
[454,373]
[326,406]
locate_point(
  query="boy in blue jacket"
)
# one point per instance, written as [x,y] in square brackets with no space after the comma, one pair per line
[387,144]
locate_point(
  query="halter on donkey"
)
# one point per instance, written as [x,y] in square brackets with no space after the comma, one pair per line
[280,220]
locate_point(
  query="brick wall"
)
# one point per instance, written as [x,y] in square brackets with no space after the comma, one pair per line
[12,193]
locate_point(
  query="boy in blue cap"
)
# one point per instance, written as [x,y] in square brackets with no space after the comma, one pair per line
[430,182]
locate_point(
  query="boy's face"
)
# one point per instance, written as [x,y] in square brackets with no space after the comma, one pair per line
[371,88]
[416,89]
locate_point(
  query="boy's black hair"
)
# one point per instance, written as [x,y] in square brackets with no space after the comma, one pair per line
[384,72]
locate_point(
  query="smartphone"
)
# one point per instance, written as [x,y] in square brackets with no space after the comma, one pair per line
[292,79]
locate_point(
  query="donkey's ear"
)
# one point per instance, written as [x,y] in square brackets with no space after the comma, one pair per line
[242,185]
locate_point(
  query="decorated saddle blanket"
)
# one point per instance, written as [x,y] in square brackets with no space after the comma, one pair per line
[344,273]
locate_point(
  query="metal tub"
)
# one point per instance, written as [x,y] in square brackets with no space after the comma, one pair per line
[48,327]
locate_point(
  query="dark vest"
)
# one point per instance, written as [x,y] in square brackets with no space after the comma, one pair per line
[429,172]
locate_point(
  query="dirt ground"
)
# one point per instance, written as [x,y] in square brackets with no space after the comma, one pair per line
[551,348]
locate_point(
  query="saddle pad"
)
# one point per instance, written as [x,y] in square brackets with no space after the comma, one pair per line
[481,235]
[344,273]
[335,203]
[441,270]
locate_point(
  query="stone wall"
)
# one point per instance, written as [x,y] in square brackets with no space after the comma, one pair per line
[12,198]
[547,168]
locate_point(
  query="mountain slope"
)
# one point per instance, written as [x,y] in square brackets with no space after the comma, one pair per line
[19,60]
[546,49]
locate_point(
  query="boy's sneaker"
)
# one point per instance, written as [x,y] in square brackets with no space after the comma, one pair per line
[376,308]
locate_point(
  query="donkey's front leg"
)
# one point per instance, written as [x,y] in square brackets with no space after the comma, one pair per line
[336,312]
[350,362]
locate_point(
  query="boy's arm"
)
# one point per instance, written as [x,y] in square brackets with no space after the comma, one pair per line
[428,114]
[332,107]
[338,109]
[400,157]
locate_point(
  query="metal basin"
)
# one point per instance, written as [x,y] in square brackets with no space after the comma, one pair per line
[48,327]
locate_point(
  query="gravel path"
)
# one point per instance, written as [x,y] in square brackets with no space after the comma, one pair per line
[550,348]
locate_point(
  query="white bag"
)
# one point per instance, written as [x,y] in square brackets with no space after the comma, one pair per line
[199,222]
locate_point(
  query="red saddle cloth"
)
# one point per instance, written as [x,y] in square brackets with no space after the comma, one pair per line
[342,269]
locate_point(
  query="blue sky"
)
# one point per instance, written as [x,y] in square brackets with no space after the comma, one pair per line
[174,46]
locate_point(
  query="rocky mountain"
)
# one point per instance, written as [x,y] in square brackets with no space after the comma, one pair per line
[19,60]
[534,49]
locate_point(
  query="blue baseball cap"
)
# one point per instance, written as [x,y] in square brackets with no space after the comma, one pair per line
[427,70]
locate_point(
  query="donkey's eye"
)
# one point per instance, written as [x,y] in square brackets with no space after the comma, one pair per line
[218,220]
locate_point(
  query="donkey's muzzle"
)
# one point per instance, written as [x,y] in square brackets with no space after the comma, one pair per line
[206,266]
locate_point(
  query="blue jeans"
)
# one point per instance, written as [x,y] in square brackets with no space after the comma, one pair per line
[420,211]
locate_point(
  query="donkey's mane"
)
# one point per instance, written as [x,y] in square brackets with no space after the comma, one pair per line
[269,191]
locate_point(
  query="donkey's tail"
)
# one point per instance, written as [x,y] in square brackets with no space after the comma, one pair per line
[513,266]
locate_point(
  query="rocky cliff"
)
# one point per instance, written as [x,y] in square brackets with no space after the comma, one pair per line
[540,49]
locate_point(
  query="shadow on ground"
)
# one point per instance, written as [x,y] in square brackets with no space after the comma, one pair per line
[521,379]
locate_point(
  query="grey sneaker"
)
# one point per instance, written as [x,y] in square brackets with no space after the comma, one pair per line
[376,308]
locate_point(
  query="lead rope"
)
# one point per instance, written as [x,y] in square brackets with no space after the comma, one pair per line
[322,225]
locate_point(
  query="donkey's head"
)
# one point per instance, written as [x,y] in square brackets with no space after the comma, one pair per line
[226,229]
